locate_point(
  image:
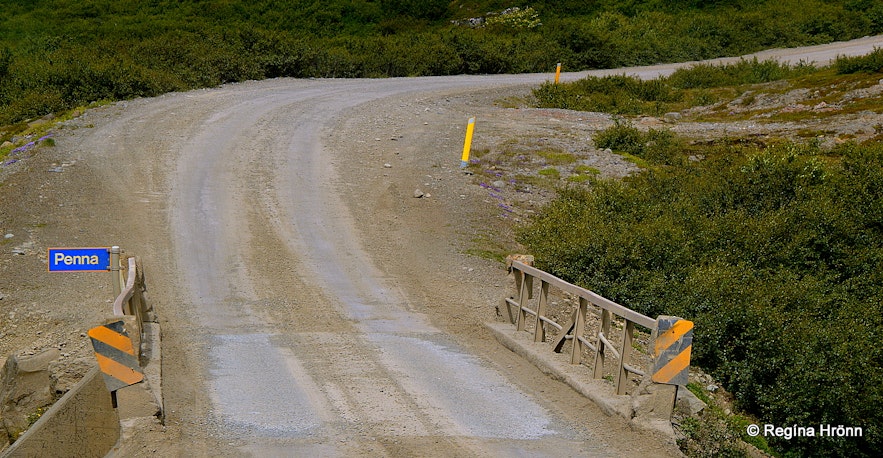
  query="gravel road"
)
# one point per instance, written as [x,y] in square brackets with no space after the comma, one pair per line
[283,334]
[310,304]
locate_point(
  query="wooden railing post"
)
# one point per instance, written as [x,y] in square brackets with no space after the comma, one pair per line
[628,333]
[579,327]
[524,295]
[539,332]
[600,346]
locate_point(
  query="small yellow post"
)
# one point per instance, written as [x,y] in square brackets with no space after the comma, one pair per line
[558,73]
[467,144]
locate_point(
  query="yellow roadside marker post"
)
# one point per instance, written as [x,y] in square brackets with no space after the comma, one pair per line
[467,144]
[558,73]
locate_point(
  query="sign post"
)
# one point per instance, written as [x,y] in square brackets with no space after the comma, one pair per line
[116,280]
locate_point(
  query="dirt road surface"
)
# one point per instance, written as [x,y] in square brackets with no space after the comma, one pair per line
[287,337]
[311,304]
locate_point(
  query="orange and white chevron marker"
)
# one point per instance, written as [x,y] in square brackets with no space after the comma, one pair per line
[116,357]
[671,351]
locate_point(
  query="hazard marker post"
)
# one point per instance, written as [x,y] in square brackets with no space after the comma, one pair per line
[558,73]
[116,355]
[467,144]
[671,350]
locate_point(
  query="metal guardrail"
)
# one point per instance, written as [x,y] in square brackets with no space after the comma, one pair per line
[600,346]
[130,299]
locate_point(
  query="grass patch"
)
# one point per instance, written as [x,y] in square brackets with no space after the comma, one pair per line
[557,157]
[550,173]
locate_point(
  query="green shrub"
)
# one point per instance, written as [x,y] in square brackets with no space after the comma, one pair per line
[618,94]
[776,256]
[870,63]
[706,76]
[661,147]
[622,137]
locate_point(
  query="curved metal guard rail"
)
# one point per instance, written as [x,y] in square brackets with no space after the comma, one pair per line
[127,293]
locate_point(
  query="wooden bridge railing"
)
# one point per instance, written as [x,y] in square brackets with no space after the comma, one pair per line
[575,330]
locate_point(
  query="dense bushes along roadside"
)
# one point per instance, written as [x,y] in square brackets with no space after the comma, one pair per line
[56,55]
[776,254]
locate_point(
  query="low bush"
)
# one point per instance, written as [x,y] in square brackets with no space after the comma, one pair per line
[627,95]
[623,95]
[659,147]
[871,63]
[775,254]
[746,71]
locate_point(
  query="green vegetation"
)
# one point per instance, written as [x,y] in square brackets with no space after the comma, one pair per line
[656,146]
[55,55]
[685,88]
[871,63]
[555,157]
[775,252]
[550,172]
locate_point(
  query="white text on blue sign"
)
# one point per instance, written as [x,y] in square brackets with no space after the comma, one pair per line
[79,259]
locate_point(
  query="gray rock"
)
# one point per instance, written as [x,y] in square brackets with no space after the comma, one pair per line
[418,194]
[65,374]
[25,387]
[687,403]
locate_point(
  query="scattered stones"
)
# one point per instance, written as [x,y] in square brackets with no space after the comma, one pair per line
[387,165]
[24,249]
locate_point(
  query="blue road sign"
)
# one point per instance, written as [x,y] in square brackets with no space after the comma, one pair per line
[79,259]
